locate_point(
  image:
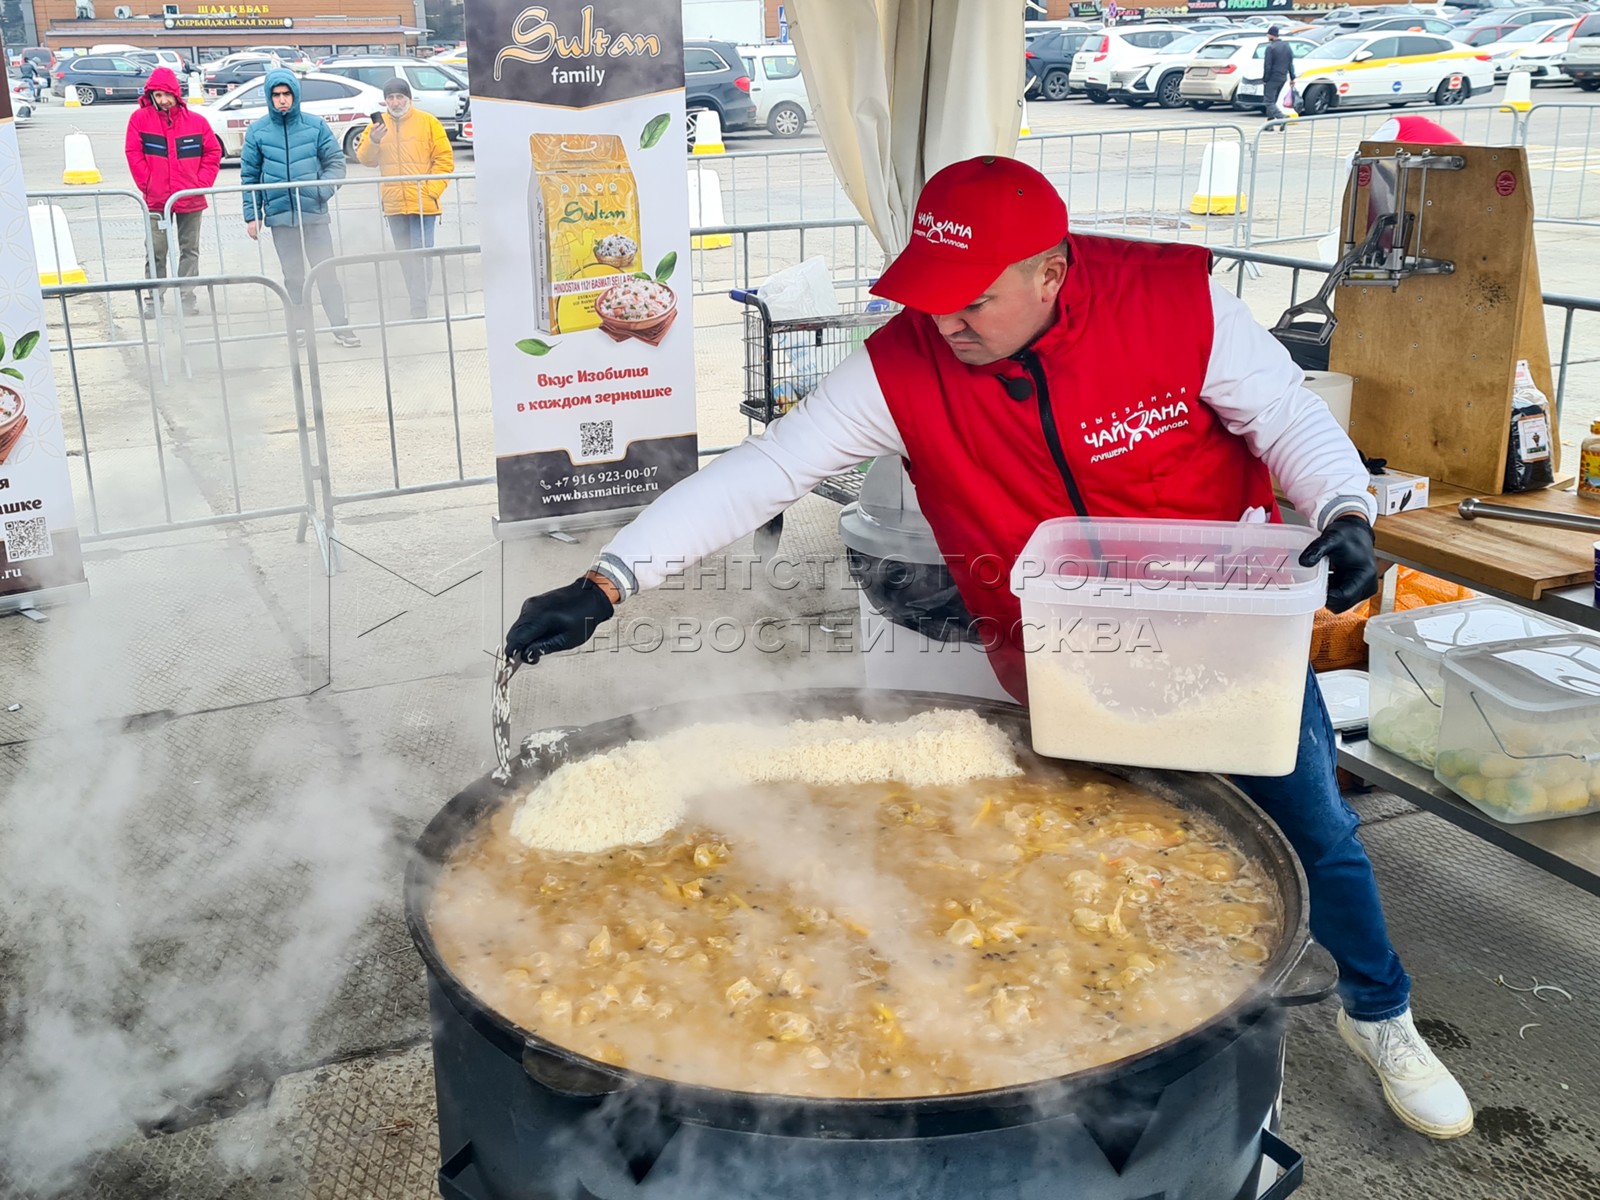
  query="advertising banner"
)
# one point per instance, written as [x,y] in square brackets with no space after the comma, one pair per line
[40,561]
[578,123]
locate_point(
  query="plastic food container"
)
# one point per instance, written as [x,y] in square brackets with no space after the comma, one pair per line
[1406,665]
[1520,737]
[1175,644]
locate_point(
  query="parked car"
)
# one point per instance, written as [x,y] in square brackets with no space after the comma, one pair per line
[21,99]
[715,80]
[1524,15]
[435,89]
[41,56]
[170,59]
[1217,72]
[228,73]
[1582,61]
[1093,64]
[1157,74]
[1483,35]
[1390,68]
[1409,24]
[1048,61]
[345,104]
[292,57]
[775,85]
[100,77]
[1537,49]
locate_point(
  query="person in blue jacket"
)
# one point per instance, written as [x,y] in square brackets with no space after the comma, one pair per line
[285,145]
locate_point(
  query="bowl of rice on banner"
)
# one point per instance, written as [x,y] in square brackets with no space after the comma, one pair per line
[634,305]
[13,419]
[616,250]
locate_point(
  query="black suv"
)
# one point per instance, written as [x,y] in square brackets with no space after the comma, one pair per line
[1049,59]
[101,77]
[715,79]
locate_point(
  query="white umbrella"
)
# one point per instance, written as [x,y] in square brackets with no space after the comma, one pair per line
[901,88]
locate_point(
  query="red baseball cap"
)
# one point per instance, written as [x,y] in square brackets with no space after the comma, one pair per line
[973,220]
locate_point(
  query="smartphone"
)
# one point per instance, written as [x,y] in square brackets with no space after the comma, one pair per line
[377,117]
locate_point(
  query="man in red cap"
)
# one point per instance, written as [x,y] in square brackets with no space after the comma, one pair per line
[1035,374]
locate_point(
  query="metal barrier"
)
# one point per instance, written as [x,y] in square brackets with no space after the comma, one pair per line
[115,457]
[351,440]
[1561,157]
[129,233]
[1298,167]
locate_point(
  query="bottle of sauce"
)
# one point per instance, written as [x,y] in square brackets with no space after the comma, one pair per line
[1589,465]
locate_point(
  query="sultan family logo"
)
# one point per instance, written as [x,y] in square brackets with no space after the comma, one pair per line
[538,38]
[1119,433]
[943,232]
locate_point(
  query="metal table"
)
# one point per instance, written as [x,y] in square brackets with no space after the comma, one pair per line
[1568,846]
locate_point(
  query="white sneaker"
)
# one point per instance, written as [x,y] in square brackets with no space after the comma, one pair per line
[1418,1087]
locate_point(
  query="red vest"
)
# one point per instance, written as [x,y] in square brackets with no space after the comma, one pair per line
[1121,373]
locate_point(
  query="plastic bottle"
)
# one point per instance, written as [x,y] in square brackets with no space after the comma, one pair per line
[1589,465]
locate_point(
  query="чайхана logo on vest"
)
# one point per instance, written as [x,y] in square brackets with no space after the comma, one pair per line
[942,232]
[1117,433]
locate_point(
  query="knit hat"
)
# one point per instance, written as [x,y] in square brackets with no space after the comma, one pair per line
[397,85]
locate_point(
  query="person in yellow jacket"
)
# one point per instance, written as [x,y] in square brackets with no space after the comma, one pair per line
[407,141]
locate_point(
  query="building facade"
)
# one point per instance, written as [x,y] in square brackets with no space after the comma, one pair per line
[204,31]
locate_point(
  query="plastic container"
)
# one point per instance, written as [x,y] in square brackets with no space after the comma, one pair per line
[1521,732]
[1589,464]
[1406,663]
[1174,644]
[1346,695]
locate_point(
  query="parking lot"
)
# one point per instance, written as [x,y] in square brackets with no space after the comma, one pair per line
[249,722]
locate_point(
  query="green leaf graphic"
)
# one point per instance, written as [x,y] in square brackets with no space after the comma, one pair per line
[24,346]
[653,130]
[3,345]
[535,347]
[641,275]
[11,371]
[666,266]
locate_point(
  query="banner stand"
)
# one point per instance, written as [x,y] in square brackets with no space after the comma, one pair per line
[30,604]
[614,518]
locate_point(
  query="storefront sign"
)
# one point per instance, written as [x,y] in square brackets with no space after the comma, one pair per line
[578,119]
[40,561]
[238,20]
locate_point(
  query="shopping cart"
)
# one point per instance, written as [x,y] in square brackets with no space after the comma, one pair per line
[785,360]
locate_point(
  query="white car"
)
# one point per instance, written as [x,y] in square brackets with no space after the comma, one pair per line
[1158,74]
[436,90]
[1092,66]
[1537,49]
[21,100]
[775,85]
[1356,70]
[1220,72]
[343,103]
[1582,63]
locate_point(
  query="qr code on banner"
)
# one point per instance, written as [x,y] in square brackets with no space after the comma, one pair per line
[595,437]
[27,539]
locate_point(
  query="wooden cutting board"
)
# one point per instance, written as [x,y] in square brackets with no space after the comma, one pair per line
[1521,560]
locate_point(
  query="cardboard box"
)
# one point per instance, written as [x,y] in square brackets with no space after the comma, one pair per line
[1398,492]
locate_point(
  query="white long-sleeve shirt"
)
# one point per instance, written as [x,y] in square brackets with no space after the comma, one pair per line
[1251,383]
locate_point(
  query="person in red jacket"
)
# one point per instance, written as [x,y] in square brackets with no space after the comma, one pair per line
[170,150]
[1036,373]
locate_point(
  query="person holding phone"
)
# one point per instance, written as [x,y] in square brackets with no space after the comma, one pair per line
[404,140]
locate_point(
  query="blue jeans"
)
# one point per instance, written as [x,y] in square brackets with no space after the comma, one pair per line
[1346,914]
[411,232]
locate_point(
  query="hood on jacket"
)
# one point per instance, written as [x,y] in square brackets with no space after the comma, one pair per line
[282,75]
[162,79]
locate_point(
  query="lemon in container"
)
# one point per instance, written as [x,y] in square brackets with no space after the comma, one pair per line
[1520,732]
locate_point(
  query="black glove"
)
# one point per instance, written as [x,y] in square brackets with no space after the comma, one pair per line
[1347,544]
[560,620]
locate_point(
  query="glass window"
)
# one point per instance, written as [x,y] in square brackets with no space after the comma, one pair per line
[1386,47]
[1528,33]
[430,79]
[249,97]
[1338,48]
[1588,27]
[781,66]
[699,61]
[749,64]
[94,64]
[1223,50]
[1415,45]
[324,89]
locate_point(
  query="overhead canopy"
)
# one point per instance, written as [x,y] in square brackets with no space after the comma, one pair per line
[901,88]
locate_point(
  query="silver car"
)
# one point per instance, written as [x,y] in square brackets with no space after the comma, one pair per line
[435,89]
